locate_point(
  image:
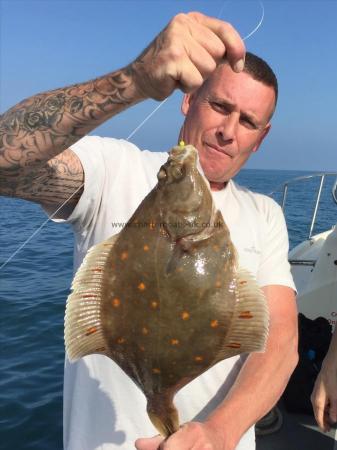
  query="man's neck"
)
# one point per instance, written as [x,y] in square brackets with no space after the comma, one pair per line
[217,186]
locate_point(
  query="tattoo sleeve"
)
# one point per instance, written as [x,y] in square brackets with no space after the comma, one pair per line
[40,127]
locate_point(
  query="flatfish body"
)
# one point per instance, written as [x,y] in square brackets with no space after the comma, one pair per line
[164,298]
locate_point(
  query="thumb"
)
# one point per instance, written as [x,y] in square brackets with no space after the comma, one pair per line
[148,443]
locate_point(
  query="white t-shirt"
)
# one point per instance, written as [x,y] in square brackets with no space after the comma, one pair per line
[103,408]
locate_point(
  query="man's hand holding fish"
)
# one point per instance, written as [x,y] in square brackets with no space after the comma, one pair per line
[192,435]
[183,288]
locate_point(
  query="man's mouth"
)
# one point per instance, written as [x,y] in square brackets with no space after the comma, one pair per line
[219,149]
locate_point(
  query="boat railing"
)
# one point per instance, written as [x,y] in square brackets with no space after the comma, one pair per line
[323,175]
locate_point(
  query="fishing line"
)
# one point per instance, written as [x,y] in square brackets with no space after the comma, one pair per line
[225,3]
[127,139]
[72,195]
[258,25]
[146,119]
[40,228]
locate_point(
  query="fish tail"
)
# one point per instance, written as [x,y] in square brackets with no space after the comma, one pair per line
[163,415]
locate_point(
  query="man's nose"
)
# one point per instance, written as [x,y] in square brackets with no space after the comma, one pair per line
[226,132]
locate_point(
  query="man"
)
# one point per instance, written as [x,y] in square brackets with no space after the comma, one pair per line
[227,116]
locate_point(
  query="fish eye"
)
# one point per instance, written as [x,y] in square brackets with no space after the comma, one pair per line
[177,172]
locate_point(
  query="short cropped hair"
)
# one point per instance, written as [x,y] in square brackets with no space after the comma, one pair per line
[259,70]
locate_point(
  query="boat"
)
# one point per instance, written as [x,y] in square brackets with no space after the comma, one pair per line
[314,268]
[314,260]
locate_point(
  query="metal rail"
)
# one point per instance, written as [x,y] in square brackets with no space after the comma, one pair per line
[322,176]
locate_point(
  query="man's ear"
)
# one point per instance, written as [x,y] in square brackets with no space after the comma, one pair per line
[263,135]
[186,103]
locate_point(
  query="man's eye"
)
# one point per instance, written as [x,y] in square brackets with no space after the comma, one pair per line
[248,123]
[221,107]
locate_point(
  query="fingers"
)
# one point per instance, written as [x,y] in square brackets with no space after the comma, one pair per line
[193,435]
[197,45]
[189,77]
[148,443]
[206,39]
[319,403]
[321,418]
[324,395]
[185,54]
[230,38]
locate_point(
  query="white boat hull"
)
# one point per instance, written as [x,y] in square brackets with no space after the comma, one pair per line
[317,283]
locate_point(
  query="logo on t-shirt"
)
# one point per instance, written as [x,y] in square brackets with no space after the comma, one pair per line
[252,249]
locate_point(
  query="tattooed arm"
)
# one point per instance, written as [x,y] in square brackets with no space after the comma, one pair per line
[35,162]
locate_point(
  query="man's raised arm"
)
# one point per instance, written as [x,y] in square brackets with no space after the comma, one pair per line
[35,162]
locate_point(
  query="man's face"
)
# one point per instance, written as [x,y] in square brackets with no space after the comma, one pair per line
[226,120]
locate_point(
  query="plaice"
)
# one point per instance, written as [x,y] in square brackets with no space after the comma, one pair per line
[164,298]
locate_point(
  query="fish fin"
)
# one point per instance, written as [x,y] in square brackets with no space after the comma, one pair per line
[83,333]
[250,321]
[163,415]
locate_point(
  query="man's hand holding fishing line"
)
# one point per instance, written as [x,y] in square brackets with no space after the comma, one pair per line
[185,54]
[182,56]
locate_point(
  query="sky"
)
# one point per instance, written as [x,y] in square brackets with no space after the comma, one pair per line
[46,44]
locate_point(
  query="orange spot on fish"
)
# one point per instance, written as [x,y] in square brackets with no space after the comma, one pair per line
[156,370]
[91,331]
[120,340]
[214,323]
[97,269]
[185,315]
[174,342]
[154,305]
[116,302]
[198,358]
[179,269]
[234,345]
[216,248]
[124,256]
[89,296]
[243,282]
[141,286]
[146,248]
[145,331]
[141,348]
[152,225]
[245,315]
[218,284]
